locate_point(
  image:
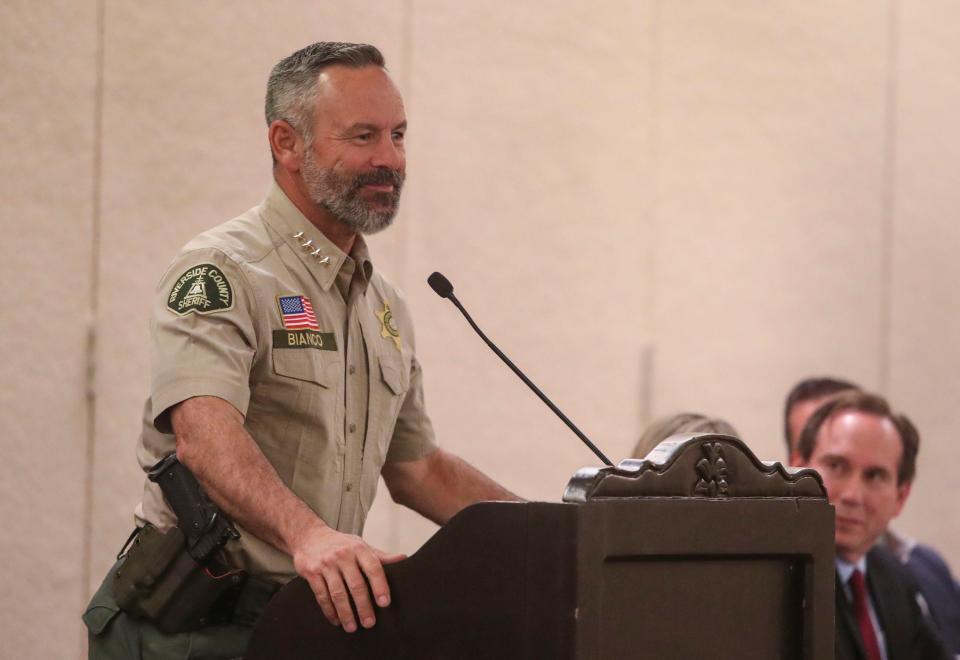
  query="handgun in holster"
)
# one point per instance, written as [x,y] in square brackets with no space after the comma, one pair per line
[203,524]
[177,580]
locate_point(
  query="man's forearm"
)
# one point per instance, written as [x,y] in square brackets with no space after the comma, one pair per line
[440,485]
[213,444]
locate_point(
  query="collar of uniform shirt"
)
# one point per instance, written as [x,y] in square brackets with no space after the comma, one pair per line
[361,255]
[353,281]
[287,220]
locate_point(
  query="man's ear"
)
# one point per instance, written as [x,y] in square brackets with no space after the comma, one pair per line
[286,145]
[903,492]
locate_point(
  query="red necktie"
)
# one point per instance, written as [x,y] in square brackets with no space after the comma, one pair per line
[861,609]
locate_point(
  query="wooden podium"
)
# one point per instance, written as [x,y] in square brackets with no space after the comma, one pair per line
[698,551]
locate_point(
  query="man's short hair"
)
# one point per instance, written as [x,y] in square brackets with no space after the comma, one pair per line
[809,389]
[292,86]
[873,404]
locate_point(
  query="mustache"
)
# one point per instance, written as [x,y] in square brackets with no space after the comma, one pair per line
[379,177]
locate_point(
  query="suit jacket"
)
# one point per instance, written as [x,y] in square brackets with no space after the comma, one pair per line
[908,635]
[941,592]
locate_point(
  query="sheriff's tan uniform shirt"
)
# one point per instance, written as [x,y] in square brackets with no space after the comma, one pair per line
[328,398]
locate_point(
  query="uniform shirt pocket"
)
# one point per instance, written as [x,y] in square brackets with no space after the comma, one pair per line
[395,371]
[303,364]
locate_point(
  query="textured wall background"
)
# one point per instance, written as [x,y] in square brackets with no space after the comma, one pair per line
[651,206]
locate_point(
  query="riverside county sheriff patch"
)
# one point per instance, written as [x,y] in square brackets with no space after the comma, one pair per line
[203,289]
[388,328]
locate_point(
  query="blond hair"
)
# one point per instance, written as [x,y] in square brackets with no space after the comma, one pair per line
[686,422]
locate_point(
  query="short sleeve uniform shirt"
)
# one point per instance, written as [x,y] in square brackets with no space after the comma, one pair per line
[311,345]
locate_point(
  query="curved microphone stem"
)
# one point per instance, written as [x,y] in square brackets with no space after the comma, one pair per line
[526,380]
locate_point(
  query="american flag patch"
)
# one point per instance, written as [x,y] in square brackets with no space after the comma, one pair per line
[297,313]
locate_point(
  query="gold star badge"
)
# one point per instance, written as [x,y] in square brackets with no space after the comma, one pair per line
[388,329]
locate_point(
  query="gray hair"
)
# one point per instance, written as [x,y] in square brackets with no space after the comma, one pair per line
[292,86]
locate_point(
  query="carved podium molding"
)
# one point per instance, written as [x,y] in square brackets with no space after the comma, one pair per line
[702,465]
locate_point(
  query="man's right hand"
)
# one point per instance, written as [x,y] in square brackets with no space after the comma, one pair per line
[338,567]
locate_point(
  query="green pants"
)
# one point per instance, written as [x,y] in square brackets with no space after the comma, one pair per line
[115,636]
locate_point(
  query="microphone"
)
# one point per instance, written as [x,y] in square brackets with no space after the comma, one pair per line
[440,285]
[443,288]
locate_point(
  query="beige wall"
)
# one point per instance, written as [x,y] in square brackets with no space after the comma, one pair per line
[649,205]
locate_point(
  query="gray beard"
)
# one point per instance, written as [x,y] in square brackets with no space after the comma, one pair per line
[341,196]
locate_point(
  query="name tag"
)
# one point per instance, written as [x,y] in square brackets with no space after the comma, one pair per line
[324,341]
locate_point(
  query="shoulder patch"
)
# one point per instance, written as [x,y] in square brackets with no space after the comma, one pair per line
[203,289]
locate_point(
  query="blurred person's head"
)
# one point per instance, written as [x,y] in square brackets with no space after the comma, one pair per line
[662,428]
[805,397]
[866,455]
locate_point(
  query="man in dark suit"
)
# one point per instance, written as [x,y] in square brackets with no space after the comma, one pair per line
[940,590]
[866,455]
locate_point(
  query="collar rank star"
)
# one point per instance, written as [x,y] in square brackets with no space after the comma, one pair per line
[308,245]
[388,328]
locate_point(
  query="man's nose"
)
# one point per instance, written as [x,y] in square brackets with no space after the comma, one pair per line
[388,154]
[851,492]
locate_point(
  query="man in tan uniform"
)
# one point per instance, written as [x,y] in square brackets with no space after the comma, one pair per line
[284,367]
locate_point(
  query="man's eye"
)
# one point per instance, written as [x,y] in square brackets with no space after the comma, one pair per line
[398,136]
[363,137]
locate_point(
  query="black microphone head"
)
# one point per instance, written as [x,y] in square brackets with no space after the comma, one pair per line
[440,285]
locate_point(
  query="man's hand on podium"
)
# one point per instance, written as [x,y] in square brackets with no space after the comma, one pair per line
[338,568]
